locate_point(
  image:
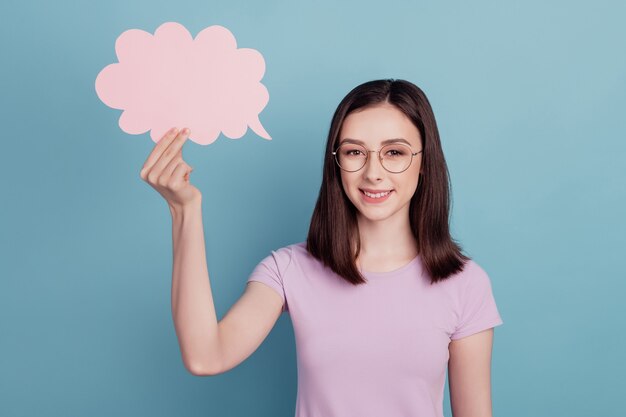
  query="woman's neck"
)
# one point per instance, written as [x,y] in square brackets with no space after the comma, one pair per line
[391,238]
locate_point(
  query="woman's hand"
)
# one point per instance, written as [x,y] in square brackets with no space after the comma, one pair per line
[167,172]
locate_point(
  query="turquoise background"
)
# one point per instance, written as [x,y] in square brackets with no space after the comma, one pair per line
[530,99]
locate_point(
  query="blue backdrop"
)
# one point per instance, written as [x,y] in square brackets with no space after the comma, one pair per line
[530,99]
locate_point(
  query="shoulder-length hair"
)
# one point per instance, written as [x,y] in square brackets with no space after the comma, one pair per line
[334,217]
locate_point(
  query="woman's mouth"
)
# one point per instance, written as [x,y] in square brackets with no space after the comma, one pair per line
[378,197]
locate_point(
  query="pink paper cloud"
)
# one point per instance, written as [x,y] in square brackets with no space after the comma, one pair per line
[170,79]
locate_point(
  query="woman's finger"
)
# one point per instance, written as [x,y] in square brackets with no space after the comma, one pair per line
[159,148]
[170,153]
[169,169]
[188,174]
[178,176]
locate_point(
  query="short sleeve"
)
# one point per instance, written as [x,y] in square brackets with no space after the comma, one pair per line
[271,270]
[478,310]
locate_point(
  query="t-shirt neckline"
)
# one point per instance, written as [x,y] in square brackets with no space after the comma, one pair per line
[394,272]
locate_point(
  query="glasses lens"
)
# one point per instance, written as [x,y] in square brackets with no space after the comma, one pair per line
[351,157]
[396,157]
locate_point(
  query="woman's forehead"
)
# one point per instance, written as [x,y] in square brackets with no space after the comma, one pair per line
[378,126]
[373,134]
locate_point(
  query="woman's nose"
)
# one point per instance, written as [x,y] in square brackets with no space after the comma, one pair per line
[373,166]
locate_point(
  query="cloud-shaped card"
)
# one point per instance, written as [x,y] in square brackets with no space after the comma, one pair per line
[170,79]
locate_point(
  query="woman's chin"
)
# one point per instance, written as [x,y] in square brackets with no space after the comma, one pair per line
[372,214]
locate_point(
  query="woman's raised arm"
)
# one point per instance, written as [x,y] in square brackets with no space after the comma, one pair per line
[208,347]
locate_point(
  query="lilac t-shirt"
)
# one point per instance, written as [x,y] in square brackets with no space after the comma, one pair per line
[380,348]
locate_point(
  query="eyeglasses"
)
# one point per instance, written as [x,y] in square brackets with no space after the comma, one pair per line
[394,158]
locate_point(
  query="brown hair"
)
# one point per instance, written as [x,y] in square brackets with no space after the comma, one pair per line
[334,217]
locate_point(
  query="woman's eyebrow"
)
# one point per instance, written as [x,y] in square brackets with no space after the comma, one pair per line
[384,142]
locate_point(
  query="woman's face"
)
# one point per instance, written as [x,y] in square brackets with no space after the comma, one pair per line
[371,126]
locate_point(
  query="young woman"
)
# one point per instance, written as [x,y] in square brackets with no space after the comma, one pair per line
[380,296]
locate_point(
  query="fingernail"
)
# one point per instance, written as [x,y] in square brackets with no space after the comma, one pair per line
[185,131]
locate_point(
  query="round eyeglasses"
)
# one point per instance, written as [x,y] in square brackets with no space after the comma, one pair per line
[395,158]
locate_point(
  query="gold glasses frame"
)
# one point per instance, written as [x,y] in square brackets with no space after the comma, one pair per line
[380,157]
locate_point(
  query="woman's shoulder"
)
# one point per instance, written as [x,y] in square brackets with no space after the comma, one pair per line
[296,254]
[470,272]
[471,278]
[473,271]
[285,254]
[290,250]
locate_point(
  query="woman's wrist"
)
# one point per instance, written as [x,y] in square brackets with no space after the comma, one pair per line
[186,209]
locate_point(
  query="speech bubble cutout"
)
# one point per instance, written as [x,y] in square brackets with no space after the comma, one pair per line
[170,79]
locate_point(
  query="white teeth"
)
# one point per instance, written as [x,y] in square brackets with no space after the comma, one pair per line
[377,195]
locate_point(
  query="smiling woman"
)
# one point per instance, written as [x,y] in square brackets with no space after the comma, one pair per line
[376,118]
[369,186]
[380,296]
